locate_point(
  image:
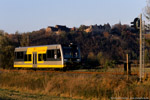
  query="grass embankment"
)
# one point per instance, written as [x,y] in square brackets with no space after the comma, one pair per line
[81,86]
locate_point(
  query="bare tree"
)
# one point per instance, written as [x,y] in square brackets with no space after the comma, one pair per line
[147,10]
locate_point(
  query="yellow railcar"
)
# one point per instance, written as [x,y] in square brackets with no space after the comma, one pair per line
[46,56]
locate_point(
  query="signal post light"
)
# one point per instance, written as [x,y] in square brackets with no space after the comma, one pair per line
[136,24]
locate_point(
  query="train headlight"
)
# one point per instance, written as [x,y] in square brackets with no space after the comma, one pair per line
[78,59]
[65,59]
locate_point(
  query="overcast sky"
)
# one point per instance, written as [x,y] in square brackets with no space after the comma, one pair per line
[29,15]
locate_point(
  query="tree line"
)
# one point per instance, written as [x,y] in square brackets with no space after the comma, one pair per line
[103,48]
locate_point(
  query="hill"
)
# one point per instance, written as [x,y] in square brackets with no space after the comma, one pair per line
[100,44]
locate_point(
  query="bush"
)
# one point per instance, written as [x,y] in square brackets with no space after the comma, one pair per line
[92,60]
[6,52]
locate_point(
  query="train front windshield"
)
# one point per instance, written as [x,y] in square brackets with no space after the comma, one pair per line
[71,52]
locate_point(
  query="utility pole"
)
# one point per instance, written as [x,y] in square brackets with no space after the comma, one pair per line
[137,24]
[140,67]
[142,42]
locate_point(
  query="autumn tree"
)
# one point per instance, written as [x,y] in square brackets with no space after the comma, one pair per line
[6,51]
[24,40]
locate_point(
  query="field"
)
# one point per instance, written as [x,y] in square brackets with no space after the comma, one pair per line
[6,94]
[67,86]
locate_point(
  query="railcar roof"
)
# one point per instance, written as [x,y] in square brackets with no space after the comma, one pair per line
[39,46]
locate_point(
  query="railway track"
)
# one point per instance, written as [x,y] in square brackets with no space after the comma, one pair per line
[70,72]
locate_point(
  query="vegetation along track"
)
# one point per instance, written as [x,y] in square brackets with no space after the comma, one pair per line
[71,72]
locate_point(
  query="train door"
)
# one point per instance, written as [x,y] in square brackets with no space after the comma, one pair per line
[34,59]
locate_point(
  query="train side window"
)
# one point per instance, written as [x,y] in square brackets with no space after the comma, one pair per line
[27,57]
[50,53]
[19,55]
[42,57]
[58,54]
[53,55]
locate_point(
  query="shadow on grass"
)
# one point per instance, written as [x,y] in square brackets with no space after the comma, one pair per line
[3,98]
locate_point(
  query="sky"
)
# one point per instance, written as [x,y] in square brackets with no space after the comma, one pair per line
[31,15]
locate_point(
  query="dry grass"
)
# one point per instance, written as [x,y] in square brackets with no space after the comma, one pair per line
[81,86]
[6,94]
